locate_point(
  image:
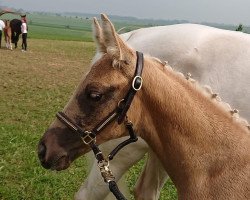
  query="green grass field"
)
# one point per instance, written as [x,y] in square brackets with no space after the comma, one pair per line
[33,87]
[68,28]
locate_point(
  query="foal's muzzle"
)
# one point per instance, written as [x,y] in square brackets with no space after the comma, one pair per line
[57,161]
[41,155]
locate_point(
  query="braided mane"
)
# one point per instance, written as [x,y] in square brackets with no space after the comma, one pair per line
[207,91]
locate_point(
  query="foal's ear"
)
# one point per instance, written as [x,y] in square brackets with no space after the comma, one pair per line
[98,36]
[114,44]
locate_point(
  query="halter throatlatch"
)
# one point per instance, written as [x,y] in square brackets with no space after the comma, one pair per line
[119,114]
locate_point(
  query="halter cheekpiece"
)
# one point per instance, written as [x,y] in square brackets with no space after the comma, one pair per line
[119,114]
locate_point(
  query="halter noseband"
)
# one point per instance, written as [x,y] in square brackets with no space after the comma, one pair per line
[119,113]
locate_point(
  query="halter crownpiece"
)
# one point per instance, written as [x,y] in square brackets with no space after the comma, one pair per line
[136,86]
[119,113]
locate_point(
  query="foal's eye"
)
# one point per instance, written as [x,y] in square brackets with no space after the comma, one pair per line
[95,96]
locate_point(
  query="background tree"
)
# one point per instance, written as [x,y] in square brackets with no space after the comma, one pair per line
[239,28]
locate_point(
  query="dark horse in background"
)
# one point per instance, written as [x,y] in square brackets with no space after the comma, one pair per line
[15,25]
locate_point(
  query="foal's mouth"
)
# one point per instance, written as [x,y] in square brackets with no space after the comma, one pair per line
[63,160]
[58,163]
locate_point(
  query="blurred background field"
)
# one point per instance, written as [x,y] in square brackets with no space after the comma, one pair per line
[77,26]
[69,28]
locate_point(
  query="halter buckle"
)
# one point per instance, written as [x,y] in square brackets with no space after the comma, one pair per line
[137,83]
[89,137]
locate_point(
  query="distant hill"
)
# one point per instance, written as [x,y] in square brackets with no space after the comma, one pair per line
[154,22]
[82,22]
[135,21]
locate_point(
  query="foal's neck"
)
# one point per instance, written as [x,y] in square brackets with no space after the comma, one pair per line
[188,132]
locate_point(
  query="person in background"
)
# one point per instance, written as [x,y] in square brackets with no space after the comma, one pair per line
[2,26]
[24,29]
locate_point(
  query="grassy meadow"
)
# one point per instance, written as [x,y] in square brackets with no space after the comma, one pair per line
[73,28]
[33,87]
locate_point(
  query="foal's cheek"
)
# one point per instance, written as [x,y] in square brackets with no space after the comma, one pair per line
[83,149]
[113,132]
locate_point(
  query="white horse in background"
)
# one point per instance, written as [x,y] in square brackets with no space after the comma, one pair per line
[214,57]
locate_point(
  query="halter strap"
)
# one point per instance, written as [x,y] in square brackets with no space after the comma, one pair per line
[136,86]
[119,113]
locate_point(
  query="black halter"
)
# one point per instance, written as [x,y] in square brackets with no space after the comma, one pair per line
[119,114]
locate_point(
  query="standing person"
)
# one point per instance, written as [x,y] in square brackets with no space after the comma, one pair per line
[24,17]
[24,29]
[2,26]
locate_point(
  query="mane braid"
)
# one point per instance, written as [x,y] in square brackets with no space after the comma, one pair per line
[117,63]
[208,93]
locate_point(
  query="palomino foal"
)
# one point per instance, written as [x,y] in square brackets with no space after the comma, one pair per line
[188,48]
[203,149]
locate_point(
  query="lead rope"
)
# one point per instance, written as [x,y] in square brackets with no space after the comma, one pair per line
[110,179]
[106,173]
[103,164]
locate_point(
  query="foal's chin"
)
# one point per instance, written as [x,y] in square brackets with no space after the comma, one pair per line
[62,162]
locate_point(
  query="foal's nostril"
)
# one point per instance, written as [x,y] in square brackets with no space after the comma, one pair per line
[41,151]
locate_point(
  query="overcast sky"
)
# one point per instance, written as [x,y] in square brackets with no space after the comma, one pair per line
[220,11]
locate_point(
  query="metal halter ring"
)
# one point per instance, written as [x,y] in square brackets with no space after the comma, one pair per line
[120,102]
[135,81]
[90,137]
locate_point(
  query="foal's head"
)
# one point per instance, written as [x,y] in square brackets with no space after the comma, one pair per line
[96,97]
